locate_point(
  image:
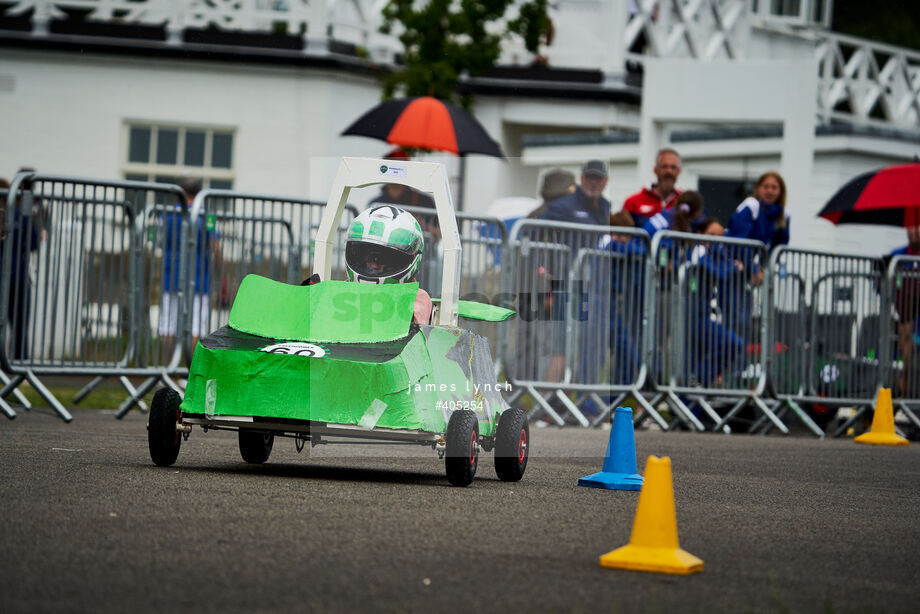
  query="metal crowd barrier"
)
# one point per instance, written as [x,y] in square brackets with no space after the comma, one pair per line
[706,306]
[578,290]
[827,324]
[72,288]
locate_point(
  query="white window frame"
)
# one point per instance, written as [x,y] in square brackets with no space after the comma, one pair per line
[151,169]
[804,17]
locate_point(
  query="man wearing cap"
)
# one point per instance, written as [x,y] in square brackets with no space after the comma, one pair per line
[586,205]
[660,195]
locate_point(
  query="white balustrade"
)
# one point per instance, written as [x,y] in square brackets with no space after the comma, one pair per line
[700,29]
[867,82]
[861,81]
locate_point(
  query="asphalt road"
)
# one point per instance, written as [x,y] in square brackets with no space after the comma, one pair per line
[783,524]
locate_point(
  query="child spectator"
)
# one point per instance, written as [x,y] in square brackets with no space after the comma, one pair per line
[685,216]
[713,344]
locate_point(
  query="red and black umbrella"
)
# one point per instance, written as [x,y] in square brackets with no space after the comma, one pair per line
[425,123]
[890,196]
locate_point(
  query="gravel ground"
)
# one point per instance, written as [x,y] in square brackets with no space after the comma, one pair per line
[782,523]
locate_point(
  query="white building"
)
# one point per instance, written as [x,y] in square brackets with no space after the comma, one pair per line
[160,89]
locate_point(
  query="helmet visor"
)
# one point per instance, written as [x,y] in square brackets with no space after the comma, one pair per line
[372,260]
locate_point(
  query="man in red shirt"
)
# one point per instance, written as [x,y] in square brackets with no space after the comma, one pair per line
[660,195]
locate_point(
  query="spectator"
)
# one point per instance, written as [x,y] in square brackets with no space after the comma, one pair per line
[586,205]
[540,332]
[762,216]
[399,194]
[627,281]
[26,236]
[609,337]
[660,195]
[207,248]
[741,258]
[402,195]
[557,183]
[710,226]
[685,216]
[713,343]
[622,219]
[907,306]
[40,216]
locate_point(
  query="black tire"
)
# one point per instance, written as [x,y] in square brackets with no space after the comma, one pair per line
[512,445]
[162,437]
[256,446]
[462,455]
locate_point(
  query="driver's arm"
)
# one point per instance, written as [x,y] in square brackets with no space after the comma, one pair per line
[422,312]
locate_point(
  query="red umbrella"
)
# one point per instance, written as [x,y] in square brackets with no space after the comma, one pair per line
[425,123]
[890,196]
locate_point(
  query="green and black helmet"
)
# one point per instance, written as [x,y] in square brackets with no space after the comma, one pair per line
[384,246]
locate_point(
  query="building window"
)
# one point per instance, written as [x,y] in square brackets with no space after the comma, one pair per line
[165,154]
[806,12]
[785,8]
[723,195]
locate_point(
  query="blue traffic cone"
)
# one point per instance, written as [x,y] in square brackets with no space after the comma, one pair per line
[620,470]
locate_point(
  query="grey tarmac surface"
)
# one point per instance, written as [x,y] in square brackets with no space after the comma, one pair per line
[783,525]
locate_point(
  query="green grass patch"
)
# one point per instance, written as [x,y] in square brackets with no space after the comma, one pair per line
[108,395]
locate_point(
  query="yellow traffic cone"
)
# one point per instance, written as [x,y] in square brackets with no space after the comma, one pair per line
[653,544]
[881,432]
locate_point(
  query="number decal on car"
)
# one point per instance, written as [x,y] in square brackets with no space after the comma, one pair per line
[295,348]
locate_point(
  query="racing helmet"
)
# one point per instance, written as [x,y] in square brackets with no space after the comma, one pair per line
[384,246]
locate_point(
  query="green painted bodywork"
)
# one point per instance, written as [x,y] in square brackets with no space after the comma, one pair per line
[375,374]
[332,311]
[481,311]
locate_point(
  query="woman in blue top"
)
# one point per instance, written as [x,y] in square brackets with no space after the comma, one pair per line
[763,216]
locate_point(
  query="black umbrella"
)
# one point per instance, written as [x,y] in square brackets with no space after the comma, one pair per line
[425,123]
[889,196]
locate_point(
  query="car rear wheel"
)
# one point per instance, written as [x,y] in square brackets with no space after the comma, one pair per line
[462,442]
[162,437]
[512,445]
[255,446]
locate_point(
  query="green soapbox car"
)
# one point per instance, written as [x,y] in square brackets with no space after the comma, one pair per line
[340,361]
